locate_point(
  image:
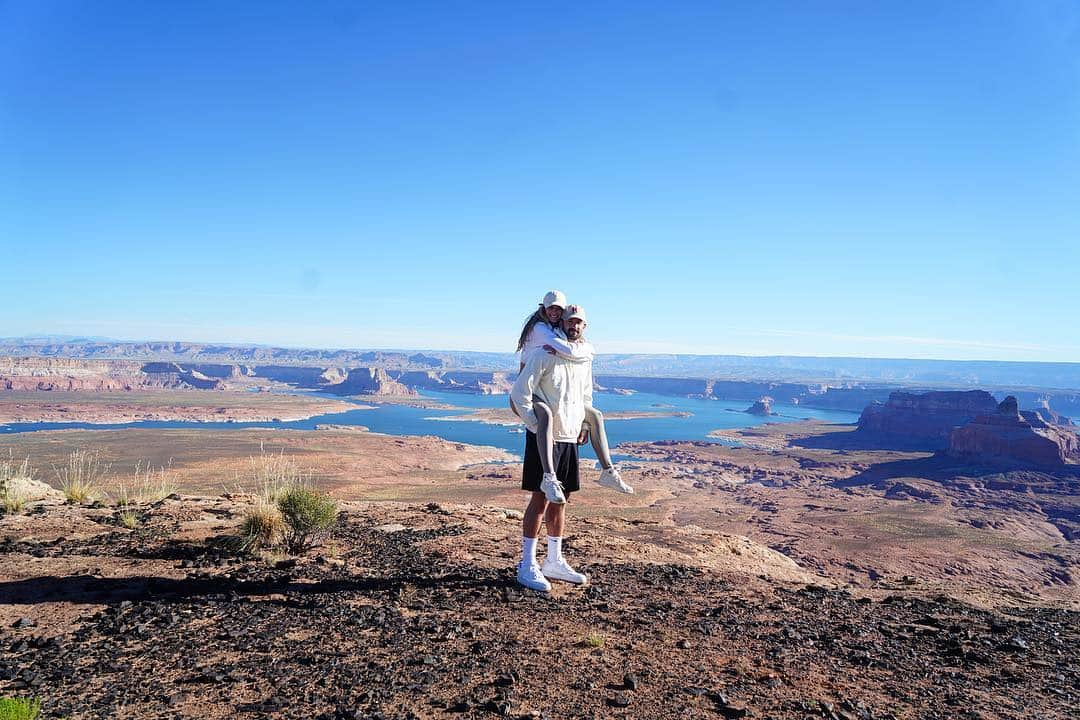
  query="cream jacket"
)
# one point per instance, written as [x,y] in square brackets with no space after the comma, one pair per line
[565,386]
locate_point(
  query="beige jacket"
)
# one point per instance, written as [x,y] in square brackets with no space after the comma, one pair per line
[565,386]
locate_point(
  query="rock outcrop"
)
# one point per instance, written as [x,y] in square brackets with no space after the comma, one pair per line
[370,381]
[1009,436]
[762,406]
[927,419]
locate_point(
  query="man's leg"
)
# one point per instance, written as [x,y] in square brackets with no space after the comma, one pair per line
[529,573]
[534,515]
[555,565]
[609,477]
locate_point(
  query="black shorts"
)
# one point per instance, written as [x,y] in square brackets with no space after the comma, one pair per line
[566,465]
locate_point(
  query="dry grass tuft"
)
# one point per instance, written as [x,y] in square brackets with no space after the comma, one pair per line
[263,526]
[80,478]
[12,475]
[153,485]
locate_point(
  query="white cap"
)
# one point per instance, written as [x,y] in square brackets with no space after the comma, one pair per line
[574,311]
[555,297]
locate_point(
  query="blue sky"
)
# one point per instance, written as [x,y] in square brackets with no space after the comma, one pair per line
[815,178]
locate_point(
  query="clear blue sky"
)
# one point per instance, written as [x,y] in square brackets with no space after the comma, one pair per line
[895,179]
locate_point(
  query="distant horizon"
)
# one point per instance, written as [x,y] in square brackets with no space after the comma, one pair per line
[76,338]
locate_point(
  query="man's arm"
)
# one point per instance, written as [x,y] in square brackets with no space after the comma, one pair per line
[527,382]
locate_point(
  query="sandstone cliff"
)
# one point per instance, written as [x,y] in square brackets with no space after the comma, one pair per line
[1009,436]
[70,375]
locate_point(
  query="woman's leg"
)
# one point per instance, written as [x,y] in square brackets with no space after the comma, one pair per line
[545,436]
[598,435]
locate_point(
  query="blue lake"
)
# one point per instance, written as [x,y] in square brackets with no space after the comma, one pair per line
[403,420]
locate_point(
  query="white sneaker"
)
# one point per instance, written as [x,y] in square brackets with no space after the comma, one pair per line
[530,576]
[610,478]
[561,570]
[552,489]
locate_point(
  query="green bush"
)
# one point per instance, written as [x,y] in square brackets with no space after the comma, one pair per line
[309,515]
[19,708]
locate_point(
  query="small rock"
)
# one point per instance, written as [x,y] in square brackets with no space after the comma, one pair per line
[630,681]
[620,699]
[23,622]
[683,644]
[1018,643]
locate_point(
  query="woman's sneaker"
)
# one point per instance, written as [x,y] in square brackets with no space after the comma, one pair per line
[610,478]
[530,576]
[561,570]
[552,489]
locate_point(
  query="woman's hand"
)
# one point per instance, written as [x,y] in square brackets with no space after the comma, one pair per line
[549,350]
[583,436]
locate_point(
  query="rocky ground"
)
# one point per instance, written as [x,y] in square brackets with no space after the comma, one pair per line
[798,575]
[411,611]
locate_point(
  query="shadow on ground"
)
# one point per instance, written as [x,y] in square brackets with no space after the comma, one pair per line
[90,589]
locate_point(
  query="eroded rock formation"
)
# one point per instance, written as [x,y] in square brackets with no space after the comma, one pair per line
[762,406]
[370,381]
[926,418]
[1008,435]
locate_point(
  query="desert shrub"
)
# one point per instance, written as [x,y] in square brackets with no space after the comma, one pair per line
[19,708]
[80,478]
[12,474]
[263,526]
[594,640]
[309,516]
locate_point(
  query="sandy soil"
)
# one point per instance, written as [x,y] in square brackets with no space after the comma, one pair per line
[880,520]
[186,405]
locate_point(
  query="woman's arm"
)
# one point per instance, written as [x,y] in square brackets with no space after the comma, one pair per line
[556,343]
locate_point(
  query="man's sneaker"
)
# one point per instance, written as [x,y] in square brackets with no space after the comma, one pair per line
[610,478]
[561,570]
[530,576]
[552,489]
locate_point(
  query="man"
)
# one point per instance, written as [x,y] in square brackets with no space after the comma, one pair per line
[566,387]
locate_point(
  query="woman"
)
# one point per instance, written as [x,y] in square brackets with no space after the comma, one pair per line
[543,332]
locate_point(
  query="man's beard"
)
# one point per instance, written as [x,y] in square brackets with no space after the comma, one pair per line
[573,334]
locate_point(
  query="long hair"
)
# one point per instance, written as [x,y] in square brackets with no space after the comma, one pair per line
[530,323]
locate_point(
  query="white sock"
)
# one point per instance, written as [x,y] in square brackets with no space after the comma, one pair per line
[554,549]
[528,551]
